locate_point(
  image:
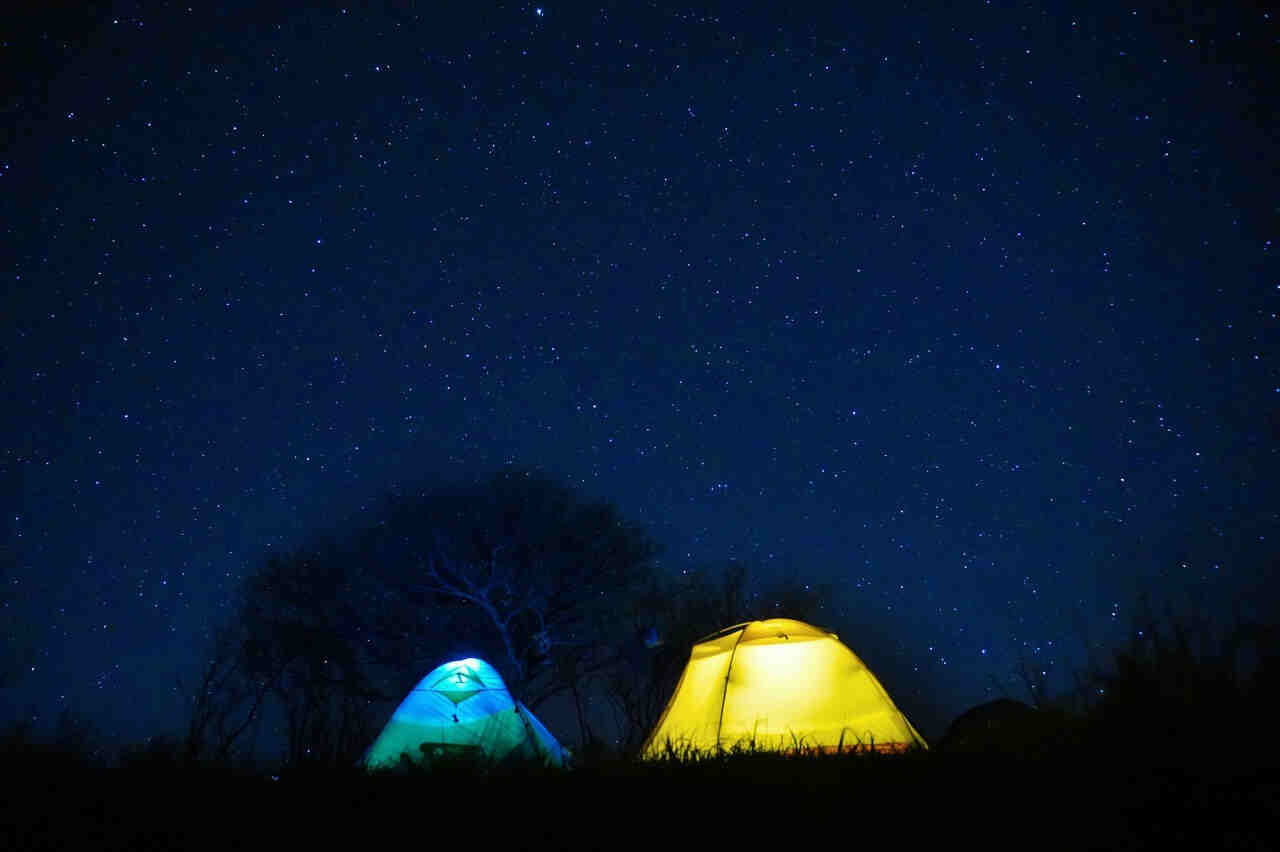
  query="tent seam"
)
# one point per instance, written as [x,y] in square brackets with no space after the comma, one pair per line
[728,672]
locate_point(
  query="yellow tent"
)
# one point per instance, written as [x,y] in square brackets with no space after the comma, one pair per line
[777,685]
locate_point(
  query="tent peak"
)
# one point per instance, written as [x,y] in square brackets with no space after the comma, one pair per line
[764,627]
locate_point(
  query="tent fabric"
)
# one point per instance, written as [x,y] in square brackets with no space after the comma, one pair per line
[462,708]
[777,685]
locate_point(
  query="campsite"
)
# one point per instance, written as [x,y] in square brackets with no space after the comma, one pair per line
[488,772]
[639,425]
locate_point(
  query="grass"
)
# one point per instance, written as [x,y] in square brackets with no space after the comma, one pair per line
[1174,752]
[1098,793]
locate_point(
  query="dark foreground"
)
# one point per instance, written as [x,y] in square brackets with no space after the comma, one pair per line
[910,801]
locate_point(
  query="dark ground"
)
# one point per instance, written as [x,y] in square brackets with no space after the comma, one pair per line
[1081,800]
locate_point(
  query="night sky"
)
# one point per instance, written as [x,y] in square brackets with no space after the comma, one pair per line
[970,313]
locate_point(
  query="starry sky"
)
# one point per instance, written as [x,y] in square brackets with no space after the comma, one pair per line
[967,309]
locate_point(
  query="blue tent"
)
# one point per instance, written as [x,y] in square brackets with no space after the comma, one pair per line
[463,709]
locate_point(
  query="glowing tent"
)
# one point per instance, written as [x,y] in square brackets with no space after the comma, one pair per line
[462,709]
[777,685]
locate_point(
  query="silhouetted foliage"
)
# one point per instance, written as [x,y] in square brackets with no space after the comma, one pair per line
[74,743]
[532,569]
[1181,688]
[302,637]
[518,569]
[225,705]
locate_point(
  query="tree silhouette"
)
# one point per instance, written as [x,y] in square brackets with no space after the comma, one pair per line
[226,701]
[534,567]
[518,569]
[302,635]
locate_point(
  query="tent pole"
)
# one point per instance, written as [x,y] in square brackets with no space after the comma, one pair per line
[725,694]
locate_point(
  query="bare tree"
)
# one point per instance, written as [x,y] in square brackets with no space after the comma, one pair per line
[540,570]
[225,703]
[518,569]
[301,638]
